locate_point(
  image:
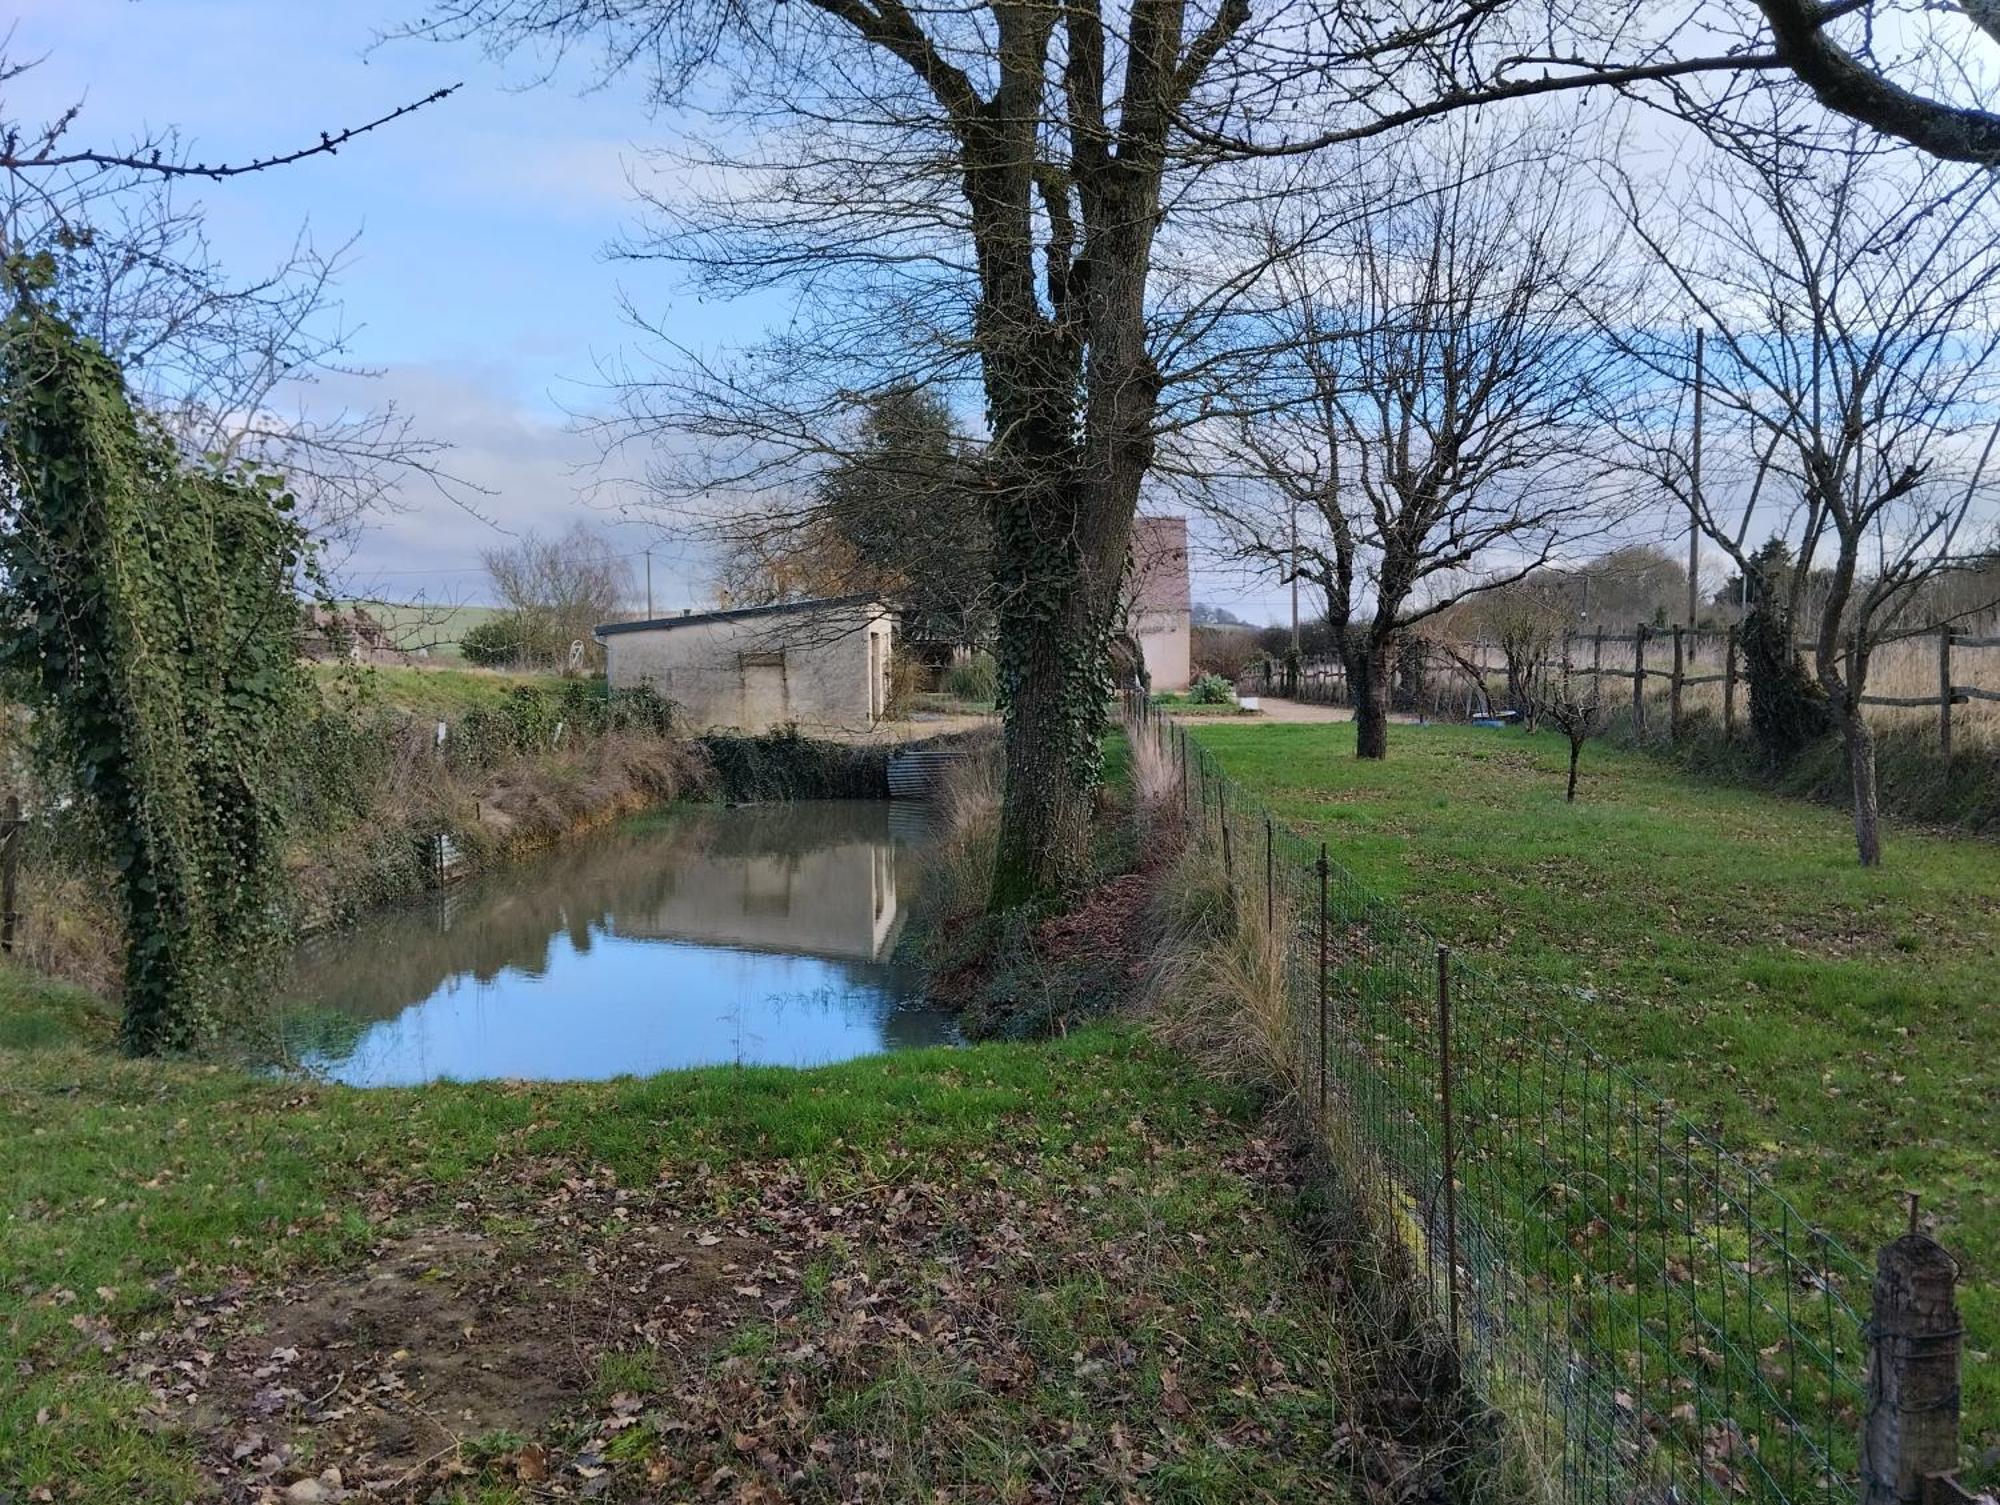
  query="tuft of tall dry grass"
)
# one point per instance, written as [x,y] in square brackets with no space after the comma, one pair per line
[958,868]
[1218,989]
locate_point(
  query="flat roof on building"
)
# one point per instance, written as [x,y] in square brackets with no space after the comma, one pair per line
[734,614]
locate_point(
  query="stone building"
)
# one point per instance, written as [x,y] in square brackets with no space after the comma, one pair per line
[818,665]
[1160,605]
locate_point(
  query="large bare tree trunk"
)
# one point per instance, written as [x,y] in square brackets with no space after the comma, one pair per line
[1371,672]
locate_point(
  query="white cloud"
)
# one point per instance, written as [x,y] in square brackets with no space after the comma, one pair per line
[526,468]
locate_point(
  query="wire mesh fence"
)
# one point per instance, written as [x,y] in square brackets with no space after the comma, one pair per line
[1659,1321]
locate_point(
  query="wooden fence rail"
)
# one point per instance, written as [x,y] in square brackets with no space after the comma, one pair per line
[1326,682]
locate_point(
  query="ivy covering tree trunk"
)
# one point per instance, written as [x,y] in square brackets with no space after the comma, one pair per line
[152,621]
[1788,710]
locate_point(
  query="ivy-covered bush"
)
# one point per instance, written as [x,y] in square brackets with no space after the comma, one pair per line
[151,618]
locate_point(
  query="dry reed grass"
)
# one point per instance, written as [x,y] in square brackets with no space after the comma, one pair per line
[958,869]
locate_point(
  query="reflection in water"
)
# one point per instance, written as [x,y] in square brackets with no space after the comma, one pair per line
[693,937]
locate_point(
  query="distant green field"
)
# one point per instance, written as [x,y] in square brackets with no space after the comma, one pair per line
[437,629]
[429,691]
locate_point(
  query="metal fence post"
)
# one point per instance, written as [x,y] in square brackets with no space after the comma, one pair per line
[1450,1139]
[1270,875]
[1323,869]
[1909,1433]
[1228,850]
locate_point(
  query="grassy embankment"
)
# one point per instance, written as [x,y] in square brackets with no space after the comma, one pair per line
[999,1273]
[1836,1025]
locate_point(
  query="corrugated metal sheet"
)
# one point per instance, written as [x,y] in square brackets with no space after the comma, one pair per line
[913,774]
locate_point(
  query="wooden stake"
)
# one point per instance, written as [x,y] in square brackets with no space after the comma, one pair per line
[1639,681]
[1729,687]
[10,872]
[1944,694]
[1674,688]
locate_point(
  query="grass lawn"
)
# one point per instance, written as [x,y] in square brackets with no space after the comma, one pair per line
[437,629]
[1837,1026]
[427,692]
[1014,1272]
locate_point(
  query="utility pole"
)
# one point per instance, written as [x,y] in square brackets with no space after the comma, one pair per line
[649,585]
[1694,500]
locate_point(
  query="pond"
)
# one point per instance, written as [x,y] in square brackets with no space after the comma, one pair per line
[696,936]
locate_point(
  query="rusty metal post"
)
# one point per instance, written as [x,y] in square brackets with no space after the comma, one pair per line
[1909,1430]
[1323,870]
[1450,1139]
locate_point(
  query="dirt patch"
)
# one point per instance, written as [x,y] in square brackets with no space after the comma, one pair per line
[371,1382]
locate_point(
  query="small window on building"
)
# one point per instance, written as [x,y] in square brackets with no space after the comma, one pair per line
[761,660]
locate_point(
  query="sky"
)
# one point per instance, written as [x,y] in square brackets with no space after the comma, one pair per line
[479,289]
[480,294]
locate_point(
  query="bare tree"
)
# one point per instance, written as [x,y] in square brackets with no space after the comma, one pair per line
[1575,713]
[1007,197]
[42,157]
[226,363]
[559,589]
[1854,371]
[1428,407]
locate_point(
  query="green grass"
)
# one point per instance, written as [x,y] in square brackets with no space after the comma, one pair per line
[438,629]
[996,1263]
[37,1013]
[1837,1026]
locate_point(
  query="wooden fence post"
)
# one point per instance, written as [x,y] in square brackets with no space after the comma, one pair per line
[1639,680]
[1597,665]
[10,872]
[1944,693]
[1909,1430]
[1674,689]
[1729,687]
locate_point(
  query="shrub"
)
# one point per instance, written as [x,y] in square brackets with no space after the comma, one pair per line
[974,678]
[496,643]
[1212,689]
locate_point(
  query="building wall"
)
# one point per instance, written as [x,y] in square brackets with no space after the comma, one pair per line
[818,671]
[1166,639]
[1160,600]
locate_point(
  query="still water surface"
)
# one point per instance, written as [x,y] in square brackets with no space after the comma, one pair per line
[693,937]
